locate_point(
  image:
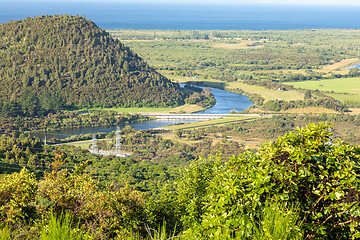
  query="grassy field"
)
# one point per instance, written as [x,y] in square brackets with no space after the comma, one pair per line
[342,85]
[172,137]
[80,144]
[313,110]
[249,142]
[209,123]
[354,111]
[345,97]
[83,144]
[341,65]
[267,94]
[229,55]
[243,44]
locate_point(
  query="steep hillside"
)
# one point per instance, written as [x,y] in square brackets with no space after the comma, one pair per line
[49,62]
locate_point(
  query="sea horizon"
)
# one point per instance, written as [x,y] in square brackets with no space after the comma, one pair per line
[194,16]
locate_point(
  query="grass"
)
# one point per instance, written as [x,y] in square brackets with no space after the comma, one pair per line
[81,144]
[338,68]
[252,143]
[342,64]
[278,222]
[60,228]
[345,97]
[84,144]
[267,94]
[341,85]
[5,233]
[244,44]
[209,123]
[182,140]
[354,111]
[310,110]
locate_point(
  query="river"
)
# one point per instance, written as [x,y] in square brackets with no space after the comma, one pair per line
[355,66]
[225,103]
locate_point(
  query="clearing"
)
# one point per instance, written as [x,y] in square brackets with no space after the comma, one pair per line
[337,85]
[266,93]
[210,123]
[244,44]
[310,110]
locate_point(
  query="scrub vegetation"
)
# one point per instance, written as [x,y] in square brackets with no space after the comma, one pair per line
[291,174]
[258,63]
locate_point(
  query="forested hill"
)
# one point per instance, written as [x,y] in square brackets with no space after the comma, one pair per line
[49,62]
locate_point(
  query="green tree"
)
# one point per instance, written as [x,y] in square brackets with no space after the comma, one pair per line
[17,197]
[178,133]
[303,170]
[307,94]
[29,102]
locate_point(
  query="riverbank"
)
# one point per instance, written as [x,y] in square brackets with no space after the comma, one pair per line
[225,103]
[186,108]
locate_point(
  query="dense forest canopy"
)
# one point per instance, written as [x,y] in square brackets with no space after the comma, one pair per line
[51,62]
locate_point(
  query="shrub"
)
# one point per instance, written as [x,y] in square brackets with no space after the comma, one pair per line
[304,169]
[17,197]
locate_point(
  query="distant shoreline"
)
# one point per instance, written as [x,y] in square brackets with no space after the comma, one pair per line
[193,17]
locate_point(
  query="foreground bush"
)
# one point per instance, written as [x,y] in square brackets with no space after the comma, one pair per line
[24,202]
[304,171]
[302,186]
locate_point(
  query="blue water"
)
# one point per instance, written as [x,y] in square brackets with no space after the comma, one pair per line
[62,134]
[225,102]
[202,17]
[355,66]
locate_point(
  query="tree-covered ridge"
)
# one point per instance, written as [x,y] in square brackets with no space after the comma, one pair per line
[56,61]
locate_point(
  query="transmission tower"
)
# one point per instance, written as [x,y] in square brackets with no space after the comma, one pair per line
[94,147]
[118,139]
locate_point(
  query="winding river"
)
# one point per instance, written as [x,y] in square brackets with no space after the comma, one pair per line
[225,103]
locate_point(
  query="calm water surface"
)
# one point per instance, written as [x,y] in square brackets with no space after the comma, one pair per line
[61,134]
[194,17]
[225,102]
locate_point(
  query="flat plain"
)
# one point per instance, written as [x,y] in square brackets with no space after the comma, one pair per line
[340,85]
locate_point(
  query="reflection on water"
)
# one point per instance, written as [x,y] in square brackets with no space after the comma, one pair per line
[225,103]
[61,134]
[355,66]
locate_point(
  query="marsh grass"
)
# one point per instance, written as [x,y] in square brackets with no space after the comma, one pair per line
[5,233]
[60,228]
[278,222]
[161,233]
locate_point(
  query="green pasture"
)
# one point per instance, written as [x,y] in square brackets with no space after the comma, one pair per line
[345,98]
[226,55]
[338,85]
[210,123]
[266,93]
[84,144]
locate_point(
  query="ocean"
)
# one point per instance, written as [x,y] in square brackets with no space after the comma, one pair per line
[191,17]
